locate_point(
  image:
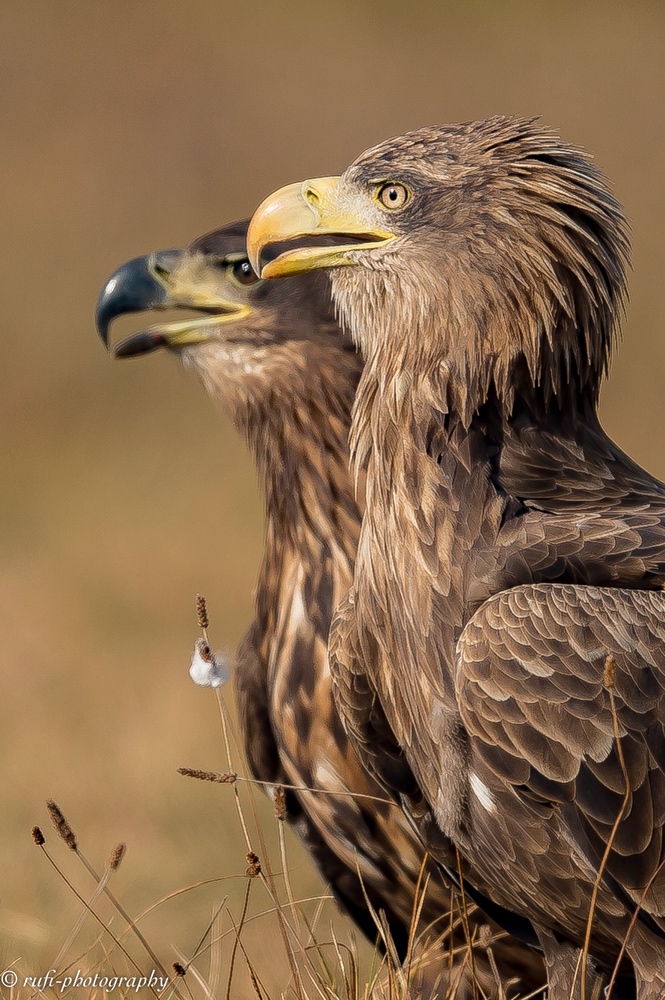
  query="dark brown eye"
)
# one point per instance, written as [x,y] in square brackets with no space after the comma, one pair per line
[243,273]
[393,196]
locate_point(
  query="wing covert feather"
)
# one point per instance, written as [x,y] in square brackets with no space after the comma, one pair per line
[545,673]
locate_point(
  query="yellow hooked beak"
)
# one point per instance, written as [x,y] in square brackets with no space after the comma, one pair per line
[315,208]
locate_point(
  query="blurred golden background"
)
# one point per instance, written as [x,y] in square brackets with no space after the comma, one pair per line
[129,126]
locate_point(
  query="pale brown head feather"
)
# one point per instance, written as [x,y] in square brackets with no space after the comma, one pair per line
[508,273]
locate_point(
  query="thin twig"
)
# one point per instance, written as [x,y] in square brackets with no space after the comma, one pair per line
[229,777]
[609,683]
[267,875]
[237,938]
[202,940]
[67,834]
[193,971]
[631,925]
[99,920]
[87,909]
[418,903]
[227,745]
[259,987]
[467,931]
[285,870]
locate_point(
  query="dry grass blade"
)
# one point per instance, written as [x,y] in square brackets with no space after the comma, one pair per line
[501,993]
[83,957]
[609,678]
[74,932]
[257,985]
[312,942]
[229,777]
[322,987]
[455,981]
[65,831]
[633,919]
[467,931]
[236,943]
[418,903]
[99,920]
[268,880]
[350,984]
[215,972]
[393,962]
[374,915]
[280,813]
[254,979]
[207,932]
[227,746]
[540,992]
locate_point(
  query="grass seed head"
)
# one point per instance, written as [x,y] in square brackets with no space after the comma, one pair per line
[205,652]
[61,825]
[201,611]
[225,778]
[117,854]
[254,867]
[279,800]
[610,672]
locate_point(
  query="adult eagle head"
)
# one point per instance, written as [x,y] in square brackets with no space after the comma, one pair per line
[497,246]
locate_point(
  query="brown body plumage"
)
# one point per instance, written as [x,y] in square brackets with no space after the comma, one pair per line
[288,377]
[507,609]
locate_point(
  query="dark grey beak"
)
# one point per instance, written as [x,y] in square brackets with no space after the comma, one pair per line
[134,287]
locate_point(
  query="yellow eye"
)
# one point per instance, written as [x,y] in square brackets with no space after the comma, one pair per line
[393,196]
[243,272]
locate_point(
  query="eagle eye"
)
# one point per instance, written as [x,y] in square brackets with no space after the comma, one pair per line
[243,272]
[393,196]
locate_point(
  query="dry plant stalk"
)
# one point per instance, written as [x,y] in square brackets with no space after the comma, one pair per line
[286,931]
[38,839]
[236,941]
[398,977]
[467,931]
[633,919]
[326,983]
[65,831]
[609,680]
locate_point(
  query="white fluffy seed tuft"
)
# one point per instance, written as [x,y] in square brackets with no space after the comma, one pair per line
[208,669]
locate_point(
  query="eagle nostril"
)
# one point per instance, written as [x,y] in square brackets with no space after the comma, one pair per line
[163,262]
[312,196]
